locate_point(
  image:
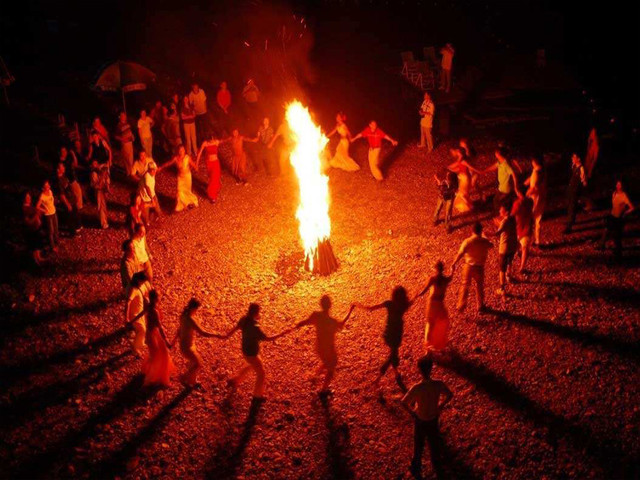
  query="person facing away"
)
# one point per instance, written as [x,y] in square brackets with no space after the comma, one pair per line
[158,366]
[326,329]
[252,336]
[129,264]
[187,330]
[425,400]
[447,189]
[393,330]
[475,250]
[522,210]
[135,313]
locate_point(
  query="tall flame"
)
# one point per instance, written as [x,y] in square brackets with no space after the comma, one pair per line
[313,211]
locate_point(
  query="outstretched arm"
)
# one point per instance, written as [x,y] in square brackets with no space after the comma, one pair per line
[424,290]
[389,139]
[490,168]
[371,308]
[353,306]
[198,328]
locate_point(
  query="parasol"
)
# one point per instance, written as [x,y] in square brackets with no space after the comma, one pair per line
[124,76]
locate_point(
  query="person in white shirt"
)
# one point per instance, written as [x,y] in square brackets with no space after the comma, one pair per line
[447,53]
[147,191]
[427,110]
[621,206]
[141,250]
[144,131]
[141,165]
[198,100]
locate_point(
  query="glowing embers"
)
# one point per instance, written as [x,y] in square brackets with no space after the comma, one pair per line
[313,211]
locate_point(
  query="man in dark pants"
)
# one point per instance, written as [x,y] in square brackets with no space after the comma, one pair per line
[423,401]
[447,189]
[577,182]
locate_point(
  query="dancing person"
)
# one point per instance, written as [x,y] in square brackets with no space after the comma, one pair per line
[447,53]
[447,189]
[185,198]
[46,205]
[171,129]
[210,149]
[507,180]
[124,136]
[135,212]
[423,402]
[100,182]
[283,132]
[537,192]
[158,366]
[507,246]
[198,100]
[326,329]
[577,182]
[32,218]
[187,329]
[374,136]
[239,157]
[522,210]
[475,250]
[252,335]
[469,155]
[141,165]
[393,330]
[614,223]
[135,313]
[99,151]
[147,191]
[463,170]
[427,110]
[188,117]
[144,132]
[141,250]
[129,264]
[341,158]
[265,135]
[223,98]
[436,331]
[66,196]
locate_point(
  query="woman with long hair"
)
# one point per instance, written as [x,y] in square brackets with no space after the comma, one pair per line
[437,328]
[341,158]
[210,149]
[158,366]
[185,198]
[537,191]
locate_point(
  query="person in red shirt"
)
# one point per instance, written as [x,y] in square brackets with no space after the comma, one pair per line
[224,98]
[374,136]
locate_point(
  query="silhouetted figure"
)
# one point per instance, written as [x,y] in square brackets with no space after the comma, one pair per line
[577,182]
[447,189]
[475,250]
[437,327]
[326,329]
[614,226]
[423,401]
[393,330]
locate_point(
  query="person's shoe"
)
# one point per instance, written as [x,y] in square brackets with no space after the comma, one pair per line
[500,291]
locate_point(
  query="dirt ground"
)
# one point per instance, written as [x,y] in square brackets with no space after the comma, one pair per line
[546,385]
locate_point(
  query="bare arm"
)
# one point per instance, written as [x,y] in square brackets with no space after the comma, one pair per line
[371,308]
[491,168]
[389,139]
[353,306]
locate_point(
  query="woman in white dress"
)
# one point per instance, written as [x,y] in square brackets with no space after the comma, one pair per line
[341,158]
[183,163]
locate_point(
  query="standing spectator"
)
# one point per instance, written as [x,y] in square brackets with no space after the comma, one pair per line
[374,136]
[141,250]
[326,329]
[427,110]
[66,196]
[144,132]
[129,264]
[159,115]
[198,100]
[70,161]
[210,150]
[188,117]
[537,192]
[475,250]
[171,129]
[147,191]
[577,182]
[507,247]
[100,183]
[99,128]
[252,335]
[124,135]
[46,205]
[507,180]
[265,135]
[614,226]
[447,53]
[447,189]
[223,97]
[522,210]
[251,92]
[99,151]
[423,402]
[79,153]
[32,223]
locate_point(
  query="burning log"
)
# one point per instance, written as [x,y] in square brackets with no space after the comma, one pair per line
[323,262]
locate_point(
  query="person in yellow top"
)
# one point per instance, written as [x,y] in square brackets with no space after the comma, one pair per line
[475,250]
[423,401]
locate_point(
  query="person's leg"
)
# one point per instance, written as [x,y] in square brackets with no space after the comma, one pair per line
[138,339]
[195,364]
[49,221]
[331,371]
[258,367]
[538,224]
[102,209]
[448,213]
[464,287]
[618,233]
[447,75]
[429,139]
[524,252]
[572,204]
[479,282]
[419,436]
[374,159]
[148,270]
[503,263]
[423,135]
[435,443]
[436,213]
[55,228]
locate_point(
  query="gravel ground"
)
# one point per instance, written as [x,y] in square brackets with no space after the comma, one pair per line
[546,386]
